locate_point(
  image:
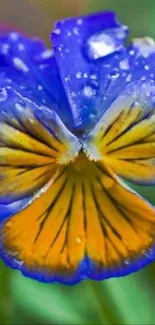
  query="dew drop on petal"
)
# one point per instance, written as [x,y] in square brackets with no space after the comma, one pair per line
[78,75]
[14,36]
[127,262]
[94,83]
[57,31]
[143,78]
[105,43]
[78,240]
[85,75]
[146,67]
[40,87]
[5,48]
[20,106]
[115,75]
[129,77]
[93,76]
[88,91]
[145,46]
[3,95]
[124,64]
[20,65]
[21,47]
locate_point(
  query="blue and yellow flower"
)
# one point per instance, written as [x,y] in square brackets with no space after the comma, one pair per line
[75,123]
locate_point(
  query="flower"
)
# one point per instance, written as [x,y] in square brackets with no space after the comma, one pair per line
[75,123]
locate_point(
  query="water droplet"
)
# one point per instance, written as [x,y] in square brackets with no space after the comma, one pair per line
[14,36]
[79,22]
[143,78]
[3,95]
[21,47]
[145,46]
[105,43]
[146,67]
[127,262]
[129,77]
[40,87]
[78,240]
[76,31]
[73,94]
[57,31]
[78,75]
[94,83]
[131,52]
[93,76]
[69,34]
[136,103]
[20,65]
[85,75]
[67,78]
[124,64]
[5,48]
[88,91]
[20,106]
[115,75]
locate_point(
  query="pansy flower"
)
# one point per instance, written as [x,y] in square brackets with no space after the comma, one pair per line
[76,124]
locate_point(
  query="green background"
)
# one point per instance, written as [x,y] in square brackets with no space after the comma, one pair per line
[128,300]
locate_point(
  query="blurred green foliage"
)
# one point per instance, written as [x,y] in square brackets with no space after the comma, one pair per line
[128,300]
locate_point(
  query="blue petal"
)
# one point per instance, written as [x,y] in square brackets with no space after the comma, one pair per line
[27,66]
[136,62]
[85,74]
[141,56]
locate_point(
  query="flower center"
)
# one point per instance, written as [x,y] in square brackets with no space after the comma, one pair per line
[82,169]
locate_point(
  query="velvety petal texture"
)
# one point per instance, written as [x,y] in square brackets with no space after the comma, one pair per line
[75,124]
[27,66]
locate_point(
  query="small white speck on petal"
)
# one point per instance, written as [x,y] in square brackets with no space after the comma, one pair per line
[143,78]
[124,64]
[73,94]
[67,78]
[14,36]
[21,47]
[115,75]
[69,34]
[5,48]
[79,22]
[46,54]
[40,87]
[129,77]
[93,77]
[88,91]
[146,67]
[20,65]
[78,75]
[3,95]
[145,46]
[57,31]
[75,31]
[131,52]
